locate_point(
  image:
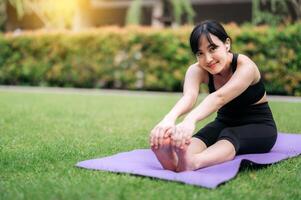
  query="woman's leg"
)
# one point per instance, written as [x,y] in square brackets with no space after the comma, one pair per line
[250,138]
[222,151]
[168,157]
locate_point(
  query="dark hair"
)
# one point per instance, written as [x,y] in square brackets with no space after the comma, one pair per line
[206,27]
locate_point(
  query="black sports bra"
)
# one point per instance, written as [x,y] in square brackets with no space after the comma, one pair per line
[250,96]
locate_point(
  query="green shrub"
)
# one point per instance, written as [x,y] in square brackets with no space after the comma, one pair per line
[141,58]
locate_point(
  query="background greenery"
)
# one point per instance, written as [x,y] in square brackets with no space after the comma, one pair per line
[44,135]
[141,58]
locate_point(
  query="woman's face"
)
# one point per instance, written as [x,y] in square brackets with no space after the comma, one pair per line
[213,57]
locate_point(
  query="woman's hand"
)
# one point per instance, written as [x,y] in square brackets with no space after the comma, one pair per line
[162,130]
[183,133]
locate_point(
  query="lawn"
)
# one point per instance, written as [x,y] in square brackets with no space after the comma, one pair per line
[43,135]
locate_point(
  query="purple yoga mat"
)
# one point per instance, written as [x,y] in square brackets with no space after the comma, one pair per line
[144,162]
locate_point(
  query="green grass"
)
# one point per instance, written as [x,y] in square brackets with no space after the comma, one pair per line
[43,135]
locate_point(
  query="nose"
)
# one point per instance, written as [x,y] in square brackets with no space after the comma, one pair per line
[208,58]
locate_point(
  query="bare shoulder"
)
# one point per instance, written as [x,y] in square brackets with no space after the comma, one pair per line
[246,63]
[195,72]
[193,78]
[245,60]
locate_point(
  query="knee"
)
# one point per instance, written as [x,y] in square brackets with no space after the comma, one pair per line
[229,137]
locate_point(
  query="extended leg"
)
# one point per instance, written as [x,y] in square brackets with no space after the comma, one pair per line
[168,157]
[220,152]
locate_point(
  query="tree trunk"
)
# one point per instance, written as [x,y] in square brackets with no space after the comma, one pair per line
[295,7]
[157,14]
[81,18]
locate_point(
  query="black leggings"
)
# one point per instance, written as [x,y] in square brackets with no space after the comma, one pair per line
[250,130]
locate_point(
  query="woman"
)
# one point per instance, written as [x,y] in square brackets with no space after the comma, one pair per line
[244,122]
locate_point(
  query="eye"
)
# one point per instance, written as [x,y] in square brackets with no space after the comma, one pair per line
[198,54]
[212,48]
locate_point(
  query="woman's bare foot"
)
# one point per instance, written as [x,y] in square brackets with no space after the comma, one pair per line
[185,161]
[166,155]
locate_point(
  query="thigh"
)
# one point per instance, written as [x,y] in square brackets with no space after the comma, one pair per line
[250,138]
[210,132]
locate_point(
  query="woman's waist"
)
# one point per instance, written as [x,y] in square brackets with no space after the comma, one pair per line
[258,113]
[261,108]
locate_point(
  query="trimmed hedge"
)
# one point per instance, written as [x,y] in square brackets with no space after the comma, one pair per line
[141,58]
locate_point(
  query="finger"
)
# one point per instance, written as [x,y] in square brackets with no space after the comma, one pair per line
[175,136]
[157,138]
[188,140]
[159,133]
[184,139]
[152,140]
[172,142]
[183,142]
[167,133]
[154,137]
[174,130]
[178,139]
[160,137]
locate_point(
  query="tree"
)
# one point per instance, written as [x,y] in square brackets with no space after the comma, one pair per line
[19,5]
[295,7]
[275,12]
[53,14]
[172,12]
[2,15]
[134,13]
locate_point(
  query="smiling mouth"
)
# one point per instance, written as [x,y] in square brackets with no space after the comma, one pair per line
[212,65]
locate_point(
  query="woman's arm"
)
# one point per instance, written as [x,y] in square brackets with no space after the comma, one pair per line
[243,77]
[193,78]
[239,82]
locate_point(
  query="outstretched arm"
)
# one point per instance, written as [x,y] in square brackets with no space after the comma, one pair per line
[193,78]
[192,82]
[240,81]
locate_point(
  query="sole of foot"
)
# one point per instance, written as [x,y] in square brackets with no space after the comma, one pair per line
[166,155]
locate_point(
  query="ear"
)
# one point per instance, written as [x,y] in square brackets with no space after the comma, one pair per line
[228,44]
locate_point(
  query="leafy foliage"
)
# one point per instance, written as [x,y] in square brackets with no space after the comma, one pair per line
[275,12]
[142,58]
[178,8]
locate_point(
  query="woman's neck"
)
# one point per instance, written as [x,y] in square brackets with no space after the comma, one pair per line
[227,71]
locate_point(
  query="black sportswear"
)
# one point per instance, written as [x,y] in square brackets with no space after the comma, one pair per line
[250,128]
